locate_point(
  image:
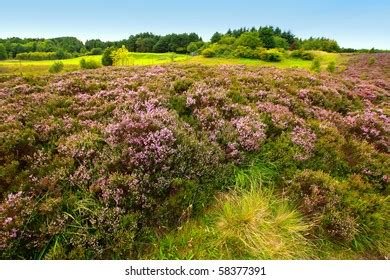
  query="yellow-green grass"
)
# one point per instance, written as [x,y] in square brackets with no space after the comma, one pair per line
[41,67]
[249,222]
[287,62]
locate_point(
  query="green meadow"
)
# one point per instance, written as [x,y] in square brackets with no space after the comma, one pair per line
[135,58]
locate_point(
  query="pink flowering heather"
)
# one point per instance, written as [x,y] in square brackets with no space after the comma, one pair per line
[92,160]
[304,138]
[372,125]
[280,115]
[14,211]
[146,134]
[251,132]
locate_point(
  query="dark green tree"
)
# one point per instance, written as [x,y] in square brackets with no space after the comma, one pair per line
[107,56]
[3,52]
[266,36]
[216,37]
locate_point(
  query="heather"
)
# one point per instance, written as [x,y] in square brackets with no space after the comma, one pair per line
[110,163]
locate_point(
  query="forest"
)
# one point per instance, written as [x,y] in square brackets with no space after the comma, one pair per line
[67,47]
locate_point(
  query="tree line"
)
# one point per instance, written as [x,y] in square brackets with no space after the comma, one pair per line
[65,47]
[267,37]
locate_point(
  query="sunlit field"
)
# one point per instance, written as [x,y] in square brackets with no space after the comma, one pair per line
[41,67]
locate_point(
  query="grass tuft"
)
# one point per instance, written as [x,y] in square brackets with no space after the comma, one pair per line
[249,222]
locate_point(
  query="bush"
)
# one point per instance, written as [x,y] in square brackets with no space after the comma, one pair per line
[316,65]
[244,52]
[271,56]
[36,56]
[96,51]
[88,64]
[218,50]
[107,56]
[208,52]
[320,199]
[249,39]
[331,67]
[121,56]
[56,67]
[371,60]
[193,47]
[61,54]
[281,42]
[302,55]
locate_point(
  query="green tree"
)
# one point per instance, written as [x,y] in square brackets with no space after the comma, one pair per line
[227,40]
[249,39]
[216,37]
[107,56]
[3,52]
[95,43]
[281,43]
[266,36]
[194,47]
[96,51]
[120,56]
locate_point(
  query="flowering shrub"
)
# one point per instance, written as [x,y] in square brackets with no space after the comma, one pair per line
[320,200]
[145,137]
[304,138]
[251,132]
[371,125]
[93,161]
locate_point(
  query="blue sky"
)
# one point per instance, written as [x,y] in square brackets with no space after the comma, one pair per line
[358,24]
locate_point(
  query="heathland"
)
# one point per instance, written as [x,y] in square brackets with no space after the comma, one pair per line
[192,161]
[255,145]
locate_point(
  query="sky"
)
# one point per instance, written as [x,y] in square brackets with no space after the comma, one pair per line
[356,24]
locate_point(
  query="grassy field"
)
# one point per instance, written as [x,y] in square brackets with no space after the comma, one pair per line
[41,67]
[285,63]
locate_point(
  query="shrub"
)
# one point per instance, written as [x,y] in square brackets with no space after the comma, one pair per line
[36,56]
[244,52]
[56,67]
[371,60]
[96,51]
[208,52]
[107,56]
[320,199]
[217,50]
[227,40]
[61,54]
[281,43]
[248,39]
[121,56]
[305,55]
[316,65]
[271,56]
[182,85]
[193,47]
[331,67]
[88,64]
